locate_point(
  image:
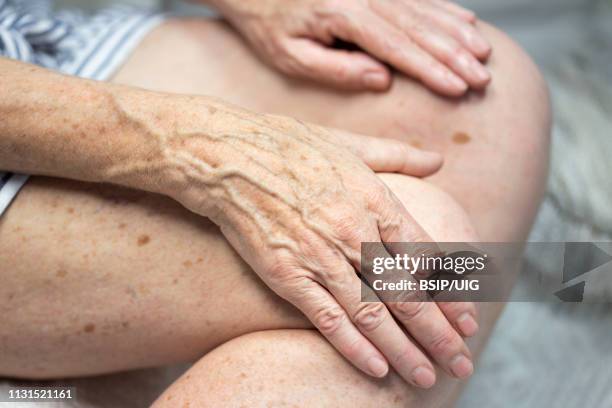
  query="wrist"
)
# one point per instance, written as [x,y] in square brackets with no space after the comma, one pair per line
[178,147]
[234,10]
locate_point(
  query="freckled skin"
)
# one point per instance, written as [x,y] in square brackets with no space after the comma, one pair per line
[416,143]
[143,240]
[167,323]
[461,138]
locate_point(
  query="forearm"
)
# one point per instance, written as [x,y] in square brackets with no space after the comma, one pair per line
[73,128]
[231,9]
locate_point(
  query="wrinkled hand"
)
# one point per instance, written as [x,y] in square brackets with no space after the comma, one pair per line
[434,41]
[296,201]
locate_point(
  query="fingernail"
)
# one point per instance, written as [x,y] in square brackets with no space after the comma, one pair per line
[456,82]
[378,367]
[480,45]
[467,325]
[461,366]
[481,72]
[423,377]
[375,80]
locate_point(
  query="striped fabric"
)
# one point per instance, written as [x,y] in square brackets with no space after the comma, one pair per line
[89,46]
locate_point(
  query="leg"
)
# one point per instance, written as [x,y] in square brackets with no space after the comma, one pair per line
[76,305]
[119,312]
[316,376]
[100,279]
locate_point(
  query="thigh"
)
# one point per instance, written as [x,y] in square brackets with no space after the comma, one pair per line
[98,279]
[495,144]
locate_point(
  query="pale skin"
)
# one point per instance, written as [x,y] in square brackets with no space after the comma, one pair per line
[271,183]
[289,197]
[295,200]
[486,220]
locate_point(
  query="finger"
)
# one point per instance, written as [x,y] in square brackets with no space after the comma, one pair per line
[447,50]
[462,315]
[346,69]
[373,318]
[438,42]
[422,318]
[333,323]
[430,328]
[390,156]
[466,34]
[459,11]
[376,323]
[379,38]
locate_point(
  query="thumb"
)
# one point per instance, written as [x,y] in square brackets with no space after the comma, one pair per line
[352,70]
[389,155]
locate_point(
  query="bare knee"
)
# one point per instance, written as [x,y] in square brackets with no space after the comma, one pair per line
[301,368]
[283,368]
[435,210]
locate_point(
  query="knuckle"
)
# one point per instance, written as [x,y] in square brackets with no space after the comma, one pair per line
[417,29]
[329,319]
[342,73]
[457,308]
[405,357]
[369,316]
[455,54]
[465,31]
[409,310]
[335,277]
[391,223]
[312,245]
[280,269]
[347,226]
[441,343]
[378,195]
[355,348]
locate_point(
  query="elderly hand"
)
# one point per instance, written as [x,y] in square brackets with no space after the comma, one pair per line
[296,200]
[434,41]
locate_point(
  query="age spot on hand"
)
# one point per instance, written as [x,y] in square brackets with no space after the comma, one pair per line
[461,138]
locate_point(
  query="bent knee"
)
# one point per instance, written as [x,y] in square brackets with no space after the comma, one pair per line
[518,91]
[282,368]
[436,211]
